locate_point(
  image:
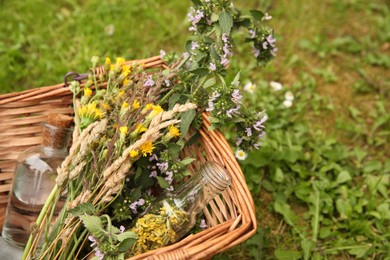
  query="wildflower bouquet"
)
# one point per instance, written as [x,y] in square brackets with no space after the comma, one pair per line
[131,126]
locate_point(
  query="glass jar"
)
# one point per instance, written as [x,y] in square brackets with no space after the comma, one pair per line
[169,218]
[34,178]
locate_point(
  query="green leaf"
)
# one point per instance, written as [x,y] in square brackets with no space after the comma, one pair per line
[307,246]
[287,254]
[257,15]
[186,120]
[187,161]
[162,182]
[174,150]
[83,209]
[344,208]
[372,166]
[226,22]
[210,82]
[360,250]
[173,100]
[236,79]
[136,194]
[126,244]
[343,176]
[92,223]
[279,176]
[201,72]
[126,235]
[284,209]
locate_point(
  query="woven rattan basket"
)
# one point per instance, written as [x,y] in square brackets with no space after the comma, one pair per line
[230,217]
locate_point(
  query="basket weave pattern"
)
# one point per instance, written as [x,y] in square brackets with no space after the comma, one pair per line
[230,217]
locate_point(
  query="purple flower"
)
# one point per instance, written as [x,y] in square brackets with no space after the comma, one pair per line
[212,98]
[212,67]
[194,17]
[99,254]
[169,177]
[149,82]
[140,202]
[239,141]
[273,51]
[256,52]
[261,135]
[225,38]
[162,54]
[93,240]
[227,51]
[233,111]
[252,33]
[162,166]
[122,229]
[248,131]
[203,224]
[133,207]
[259,124]
[153,158]
[265,45]
[267,17]
[170,188]
[167,82]
[257,145]
[211,106]
[271,40]
[153,174]
[225,62]
[194,45]
[236,97]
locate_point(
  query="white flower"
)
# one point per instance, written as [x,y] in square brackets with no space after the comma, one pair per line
[250,87]
[288,103]
[109,29]
[276,86]
[241,155]
[289,96]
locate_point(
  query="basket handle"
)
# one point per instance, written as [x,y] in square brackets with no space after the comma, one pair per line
[75,76]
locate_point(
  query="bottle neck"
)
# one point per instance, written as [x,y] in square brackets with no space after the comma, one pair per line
[54,137]
[211,180]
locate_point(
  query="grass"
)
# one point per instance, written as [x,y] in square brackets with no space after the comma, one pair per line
[321,180]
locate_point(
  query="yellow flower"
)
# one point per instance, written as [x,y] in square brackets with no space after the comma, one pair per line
[125,81]
[88,114]
[136,104]
[157,110]
[123,130]
[140,128]
[125,70]
[108,61]
[147,148]
[112,67]
[87,92]
[148,106]
[133,153]
[120,60]
[125,105]
[105,106]
[121,94]
[174,131]
[88,83]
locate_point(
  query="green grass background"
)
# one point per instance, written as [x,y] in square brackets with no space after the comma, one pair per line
[321,181]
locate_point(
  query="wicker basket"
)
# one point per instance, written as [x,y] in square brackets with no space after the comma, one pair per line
[230,217]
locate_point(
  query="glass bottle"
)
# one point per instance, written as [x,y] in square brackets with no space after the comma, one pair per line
[34,178]
[169,218]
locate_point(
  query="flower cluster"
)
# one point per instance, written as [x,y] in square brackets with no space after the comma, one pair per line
[157,229]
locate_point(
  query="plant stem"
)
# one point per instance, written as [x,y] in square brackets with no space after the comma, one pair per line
[39,220]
